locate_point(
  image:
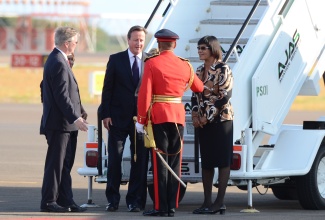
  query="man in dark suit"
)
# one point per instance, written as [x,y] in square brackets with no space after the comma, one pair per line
[118,107]
[61,120]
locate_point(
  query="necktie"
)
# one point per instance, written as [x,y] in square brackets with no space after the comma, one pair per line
[135,71]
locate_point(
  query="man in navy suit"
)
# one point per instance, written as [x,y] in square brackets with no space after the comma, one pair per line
[118,107]
[61,120]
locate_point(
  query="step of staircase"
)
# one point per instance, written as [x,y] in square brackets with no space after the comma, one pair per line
[235,9]
[227,18]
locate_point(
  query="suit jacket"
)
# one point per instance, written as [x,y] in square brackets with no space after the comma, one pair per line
[119,95]
[60,92]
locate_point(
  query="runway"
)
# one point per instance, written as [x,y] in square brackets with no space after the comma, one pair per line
[22,158]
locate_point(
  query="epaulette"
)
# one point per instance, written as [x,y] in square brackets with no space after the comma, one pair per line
[184,59]
[147,58]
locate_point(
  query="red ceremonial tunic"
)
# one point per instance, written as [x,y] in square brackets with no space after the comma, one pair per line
[165,74]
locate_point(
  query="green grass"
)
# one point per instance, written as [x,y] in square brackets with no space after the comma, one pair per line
[21,85]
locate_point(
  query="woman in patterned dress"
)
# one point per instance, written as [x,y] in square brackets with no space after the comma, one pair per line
[212,115]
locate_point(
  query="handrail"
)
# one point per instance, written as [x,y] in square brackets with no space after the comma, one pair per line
[171,2]
[99,141]
[165,15]
[153,14]
[243,27]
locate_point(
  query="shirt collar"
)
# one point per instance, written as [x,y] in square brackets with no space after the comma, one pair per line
[131,55]
[65,56]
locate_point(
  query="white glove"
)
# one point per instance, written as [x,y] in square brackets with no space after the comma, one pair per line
[139,127]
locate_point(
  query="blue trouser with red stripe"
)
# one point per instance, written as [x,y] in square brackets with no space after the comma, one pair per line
[168,140]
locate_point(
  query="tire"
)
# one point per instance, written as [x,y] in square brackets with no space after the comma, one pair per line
[311,187]
[181,192]
[285,193]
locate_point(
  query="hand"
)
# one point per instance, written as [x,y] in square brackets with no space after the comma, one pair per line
[196,122]
[139,128]
[107,122]
[203,120]
[84,115]
[81,124]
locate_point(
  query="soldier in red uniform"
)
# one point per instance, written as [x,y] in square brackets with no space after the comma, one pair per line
[166,77]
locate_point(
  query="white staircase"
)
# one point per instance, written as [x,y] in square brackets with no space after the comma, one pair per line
[194,19]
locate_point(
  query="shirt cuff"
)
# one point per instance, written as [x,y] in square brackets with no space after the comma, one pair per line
[77,120]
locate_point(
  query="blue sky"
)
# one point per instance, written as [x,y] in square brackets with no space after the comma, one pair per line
[120,15]
[117,15]
[122,6]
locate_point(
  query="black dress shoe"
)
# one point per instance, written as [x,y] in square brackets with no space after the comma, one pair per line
[171,212]
[75,208]
[53,207]
[133,208]
[111,208]
[154,212]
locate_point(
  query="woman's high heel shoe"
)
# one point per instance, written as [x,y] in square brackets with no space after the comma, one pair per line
[200,210]
[222,210]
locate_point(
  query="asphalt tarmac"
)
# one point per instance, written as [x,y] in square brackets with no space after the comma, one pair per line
[22,155]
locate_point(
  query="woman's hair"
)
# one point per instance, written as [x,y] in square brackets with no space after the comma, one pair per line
[213,44]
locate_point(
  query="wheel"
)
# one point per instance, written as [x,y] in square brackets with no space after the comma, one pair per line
[181,191]
[311,187]
[286,190]
[285,193]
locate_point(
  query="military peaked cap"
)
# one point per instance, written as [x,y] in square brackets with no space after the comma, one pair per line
[165,35]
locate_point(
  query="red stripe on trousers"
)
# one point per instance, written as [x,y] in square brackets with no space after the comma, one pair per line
[179,175]
[155,178]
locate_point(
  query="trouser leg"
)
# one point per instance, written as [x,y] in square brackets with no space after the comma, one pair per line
[116,141]
[57,145]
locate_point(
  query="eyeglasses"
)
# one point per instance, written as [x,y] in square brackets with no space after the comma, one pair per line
[203,48]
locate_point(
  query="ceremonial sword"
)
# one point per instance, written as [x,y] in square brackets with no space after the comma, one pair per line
[163,160]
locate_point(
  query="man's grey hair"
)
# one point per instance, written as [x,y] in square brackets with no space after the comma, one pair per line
[63,34]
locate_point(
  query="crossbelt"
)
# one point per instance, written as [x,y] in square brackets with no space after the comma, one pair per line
[166,98]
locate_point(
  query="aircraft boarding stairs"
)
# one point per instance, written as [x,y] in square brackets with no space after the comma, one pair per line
[269,36]
[278,55]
